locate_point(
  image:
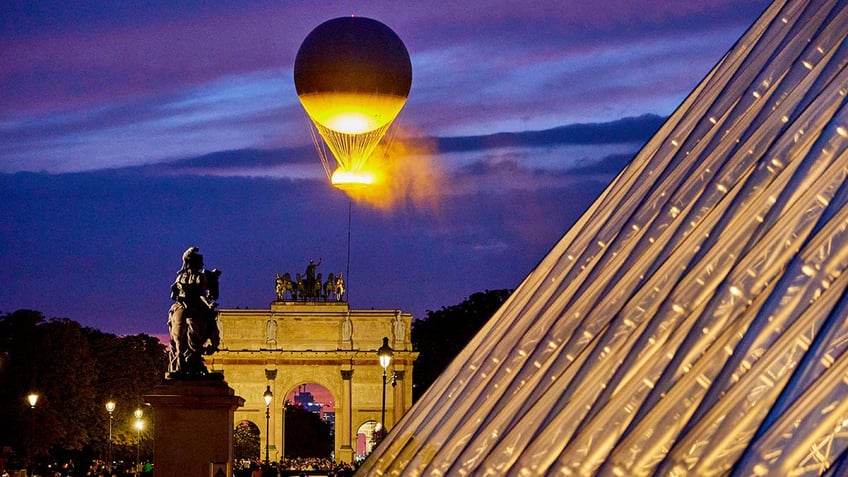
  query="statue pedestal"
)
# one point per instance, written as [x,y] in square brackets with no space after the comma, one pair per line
[193,428]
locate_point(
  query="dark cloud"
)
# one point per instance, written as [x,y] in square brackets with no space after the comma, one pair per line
[626,130]
[235,160]
[609,165]
[102,247]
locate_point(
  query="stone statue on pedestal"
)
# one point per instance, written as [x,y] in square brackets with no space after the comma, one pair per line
[193,318]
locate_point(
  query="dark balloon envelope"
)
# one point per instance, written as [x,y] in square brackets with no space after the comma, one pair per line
[353,54]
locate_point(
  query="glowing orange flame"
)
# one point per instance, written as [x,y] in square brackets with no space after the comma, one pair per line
[401,172]
[346,179]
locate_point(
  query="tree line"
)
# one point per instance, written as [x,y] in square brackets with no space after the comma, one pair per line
[75,371]
[442,334]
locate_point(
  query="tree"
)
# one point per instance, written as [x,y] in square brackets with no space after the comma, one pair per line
[75,370]
[246,441]
[65,374]
[443,334]
[128,368]
[306,434]
[18,347]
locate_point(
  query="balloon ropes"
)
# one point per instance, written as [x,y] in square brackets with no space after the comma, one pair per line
[352,76]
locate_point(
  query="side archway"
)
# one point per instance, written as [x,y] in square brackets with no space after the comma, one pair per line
[365,441]
[246,443]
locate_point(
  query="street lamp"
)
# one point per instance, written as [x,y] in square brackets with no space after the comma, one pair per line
[110,407]
[32,398]
[139,425]
[385,354]
[268,396]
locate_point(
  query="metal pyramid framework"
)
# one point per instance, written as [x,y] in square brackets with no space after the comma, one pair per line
[694,321]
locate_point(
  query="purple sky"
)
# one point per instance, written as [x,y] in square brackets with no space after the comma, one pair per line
[131,130]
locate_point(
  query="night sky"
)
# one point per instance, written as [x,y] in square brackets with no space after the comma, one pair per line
[132,130]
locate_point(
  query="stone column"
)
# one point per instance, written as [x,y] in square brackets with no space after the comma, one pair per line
[399,402]
[193,427]
[348,447]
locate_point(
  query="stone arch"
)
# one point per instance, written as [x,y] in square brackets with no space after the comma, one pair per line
[310,349]
[364,439]
[247,443]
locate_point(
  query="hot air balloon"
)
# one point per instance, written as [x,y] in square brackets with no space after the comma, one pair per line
[352,76]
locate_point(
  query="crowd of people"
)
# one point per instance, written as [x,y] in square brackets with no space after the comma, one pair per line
[301,466]
[294,467]
[98,468]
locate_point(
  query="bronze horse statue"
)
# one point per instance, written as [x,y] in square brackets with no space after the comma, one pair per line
[285,286]
[329,287]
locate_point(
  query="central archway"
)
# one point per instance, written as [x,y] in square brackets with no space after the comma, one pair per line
[309,424]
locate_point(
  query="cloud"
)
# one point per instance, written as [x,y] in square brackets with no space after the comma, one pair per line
[235,162]
[165,124]
[102,247]
[627,130]
[556,148]
[112,84]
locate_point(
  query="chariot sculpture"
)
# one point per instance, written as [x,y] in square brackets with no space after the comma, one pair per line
[310,286]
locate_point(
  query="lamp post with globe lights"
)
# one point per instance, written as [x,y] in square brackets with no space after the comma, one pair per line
[32,398]
[110,408]
[139,425]
[268,396]
[385,354]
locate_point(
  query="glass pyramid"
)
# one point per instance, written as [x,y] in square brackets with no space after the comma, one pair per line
[694,321]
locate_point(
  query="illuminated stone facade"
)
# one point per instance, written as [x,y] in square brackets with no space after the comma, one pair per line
[326,343]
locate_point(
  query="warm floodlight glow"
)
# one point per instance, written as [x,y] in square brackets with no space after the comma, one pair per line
[351,123]
[344,179]
[110,406]
[352,113]
[32,398]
